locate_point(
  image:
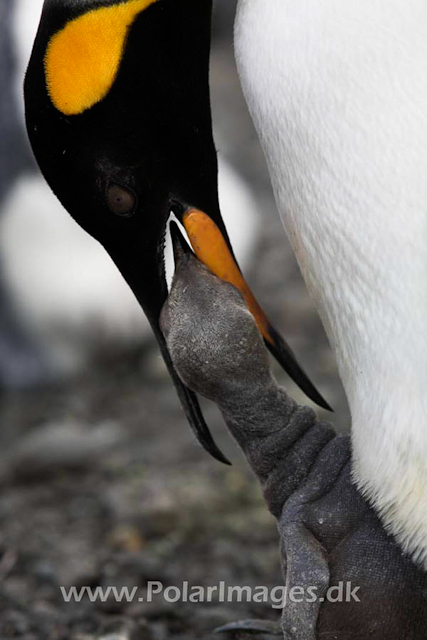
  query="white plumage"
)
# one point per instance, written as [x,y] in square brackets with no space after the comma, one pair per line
[338,93]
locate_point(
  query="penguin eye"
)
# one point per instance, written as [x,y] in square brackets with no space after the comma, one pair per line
[120,201]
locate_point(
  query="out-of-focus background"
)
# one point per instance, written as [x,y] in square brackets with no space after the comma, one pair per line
[101,480]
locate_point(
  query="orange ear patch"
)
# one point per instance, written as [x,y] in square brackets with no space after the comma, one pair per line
[82,59]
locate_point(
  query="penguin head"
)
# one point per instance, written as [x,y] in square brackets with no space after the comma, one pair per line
[118,115]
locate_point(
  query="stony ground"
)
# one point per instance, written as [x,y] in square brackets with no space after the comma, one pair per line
[102,483]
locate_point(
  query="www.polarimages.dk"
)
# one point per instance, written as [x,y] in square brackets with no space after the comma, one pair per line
[276,596]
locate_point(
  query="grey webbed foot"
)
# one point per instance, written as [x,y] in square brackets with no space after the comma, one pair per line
[365,586]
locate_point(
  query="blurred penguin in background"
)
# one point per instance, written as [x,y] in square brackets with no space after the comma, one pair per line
[61,297]
[21,363]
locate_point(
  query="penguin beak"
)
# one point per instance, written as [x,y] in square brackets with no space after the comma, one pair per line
[214,251]
[210,243]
